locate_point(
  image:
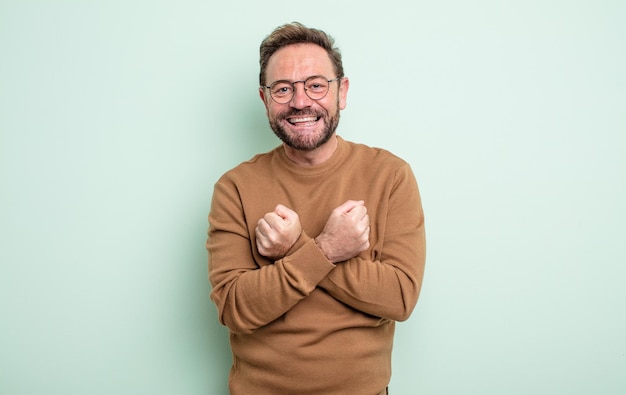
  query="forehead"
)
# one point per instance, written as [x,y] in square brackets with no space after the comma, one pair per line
[299,61]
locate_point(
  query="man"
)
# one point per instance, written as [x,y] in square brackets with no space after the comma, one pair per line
[317,247]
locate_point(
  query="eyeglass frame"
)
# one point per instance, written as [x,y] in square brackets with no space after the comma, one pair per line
[293,85]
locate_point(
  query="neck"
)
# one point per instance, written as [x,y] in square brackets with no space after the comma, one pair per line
[314,157]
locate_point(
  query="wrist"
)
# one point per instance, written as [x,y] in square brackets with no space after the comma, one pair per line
[320,245]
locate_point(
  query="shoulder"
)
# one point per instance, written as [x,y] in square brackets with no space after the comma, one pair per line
[375,156]
[250,169]
[376,163]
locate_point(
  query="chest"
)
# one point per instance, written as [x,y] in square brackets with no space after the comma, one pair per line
[314,198]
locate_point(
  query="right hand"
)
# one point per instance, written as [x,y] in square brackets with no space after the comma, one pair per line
[277,232]
[346,233]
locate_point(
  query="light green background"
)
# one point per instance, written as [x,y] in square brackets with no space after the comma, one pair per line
[116,118]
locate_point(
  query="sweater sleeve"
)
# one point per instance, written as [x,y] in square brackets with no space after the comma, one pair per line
[249,290]
[386,281]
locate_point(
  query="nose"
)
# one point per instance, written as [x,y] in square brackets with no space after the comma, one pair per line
[300,99]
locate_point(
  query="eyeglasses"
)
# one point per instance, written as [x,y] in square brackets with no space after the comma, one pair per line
[315,87]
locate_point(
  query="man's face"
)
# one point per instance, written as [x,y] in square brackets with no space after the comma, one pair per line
[303,123]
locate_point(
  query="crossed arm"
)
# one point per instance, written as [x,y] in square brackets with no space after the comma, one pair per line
[384,283]
[345,235]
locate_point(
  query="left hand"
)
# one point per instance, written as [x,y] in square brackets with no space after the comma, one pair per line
[277,232]
[346,233]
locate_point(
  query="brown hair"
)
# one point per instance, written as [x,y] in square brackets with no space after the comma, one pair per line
[296,33]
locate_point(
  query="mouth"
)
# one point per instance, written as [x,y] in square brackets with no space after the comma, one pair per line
[303,121]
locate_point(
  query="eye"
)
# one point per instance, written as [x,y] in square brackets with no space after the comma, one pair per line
[281,89]
[317,85]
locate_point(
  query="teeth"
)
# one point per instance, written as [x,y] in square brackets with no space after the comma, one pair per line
[298,120]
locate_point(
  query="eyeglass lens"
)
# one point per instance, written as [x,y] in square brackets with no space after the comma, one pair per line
[315,87]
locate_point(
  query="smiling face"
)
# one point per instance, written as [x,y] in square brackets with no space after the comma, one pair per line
[304,124]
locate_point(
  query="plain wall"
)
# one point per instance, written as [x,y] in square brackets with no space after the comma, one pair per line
[117,117]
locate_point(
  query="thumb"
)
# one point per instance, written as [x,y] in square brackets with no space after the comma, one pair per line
[347,206]
[283,211]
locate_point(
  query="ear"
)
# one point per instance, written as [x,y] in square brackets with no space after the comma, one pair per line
[264,100]
[343,93]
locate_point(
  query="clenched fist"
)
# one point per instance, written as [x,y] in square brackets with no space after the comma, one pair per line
[346,233]
[277,232]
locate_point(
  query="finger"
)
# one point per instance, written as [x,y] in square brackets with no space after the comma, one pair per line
[365,226]
[284,212]
[358,214]
[349,205]
[273,220]
[260,239]
[366,219]
[262,228]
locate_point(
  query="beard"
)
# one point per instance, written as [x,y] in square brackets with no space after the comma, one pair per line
[308,142]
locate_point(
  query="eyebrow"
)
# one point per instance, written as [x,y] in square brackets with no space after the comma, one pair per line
[293,82]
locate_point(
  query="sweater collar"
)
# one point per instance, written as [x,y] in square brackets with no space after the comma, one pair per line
[330,164]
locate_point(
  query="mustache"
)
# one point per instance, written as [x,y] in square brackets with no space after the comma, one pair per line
[302,113]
